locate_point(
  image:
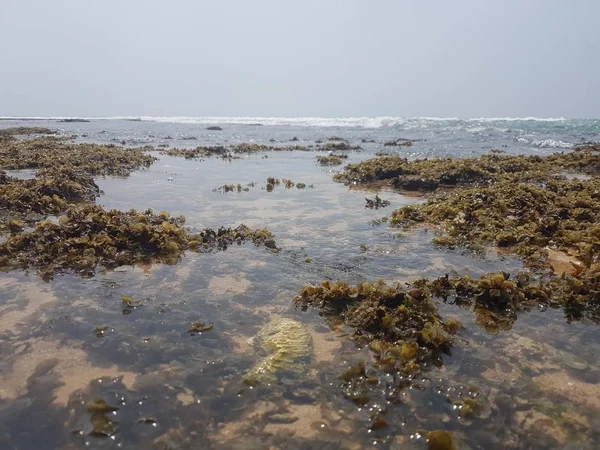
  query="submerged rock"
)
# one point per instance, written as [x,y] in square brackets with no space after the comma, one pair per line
[288,348]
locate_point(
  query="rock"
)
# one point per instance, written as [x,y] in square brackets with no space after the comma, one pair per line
[214,128]
[73,121]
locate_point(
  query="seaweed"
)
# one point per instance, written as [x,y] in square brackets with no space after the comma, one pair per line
[376,202]
[88,237]
[56,154]
[429,174]
[398,143]
[331,159]
[339,146]
[522,218]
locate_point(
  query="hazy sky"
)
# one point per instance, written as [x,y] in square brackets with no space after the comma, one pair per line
[467,58]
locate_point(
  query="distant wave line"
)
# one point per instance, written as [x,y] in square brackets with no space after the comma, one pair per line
[325,122]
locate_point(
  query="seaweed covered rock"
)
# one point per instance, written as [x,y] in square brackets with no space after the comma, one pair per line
[522,217]
[89,237]
[286,349]
[484,170]
[339,146]
[197,152]
[407,319]
[415,183]
[331,160]
[399,143]
[20,131]
[496,298]
[228,152]
[401,327]
[52,153]
[50,193]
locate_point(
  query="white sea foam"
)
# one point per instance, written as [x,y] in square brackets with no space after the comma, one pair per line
[551,143]
[545,143]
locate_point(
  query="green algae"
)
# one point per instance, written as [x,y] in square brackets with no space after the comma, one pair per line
[287,349]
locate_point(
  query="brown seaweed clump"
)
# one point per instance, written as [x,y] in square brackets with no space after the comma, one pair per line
[399,143]
[197,152]
[92,159]
[429,174]
[232,188]
[21,131]
[497,298]
[338,146]
[406,318]
[400,326]
[50,193]
[89,237]
[376,202]
[331,160]
[521,217]
[229,152]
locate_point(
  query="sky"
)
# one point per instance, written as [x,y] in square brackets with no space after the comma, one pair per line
[324,58]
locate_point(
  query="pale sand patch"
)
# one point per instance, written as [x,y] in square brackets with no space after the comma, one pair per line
[513,355]
[37,295]
[563,263]
[186,398]
[535,421]
[326,346]
[310,422]
[228,285]
[560,384]
[73,369]
[241,342]
[304,421]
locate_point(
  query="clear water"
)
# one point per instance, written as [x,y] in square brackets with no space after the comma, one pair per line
[538,381]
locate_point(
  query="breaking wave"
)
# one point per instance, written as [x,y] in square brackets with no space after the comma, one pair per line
[545,143]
